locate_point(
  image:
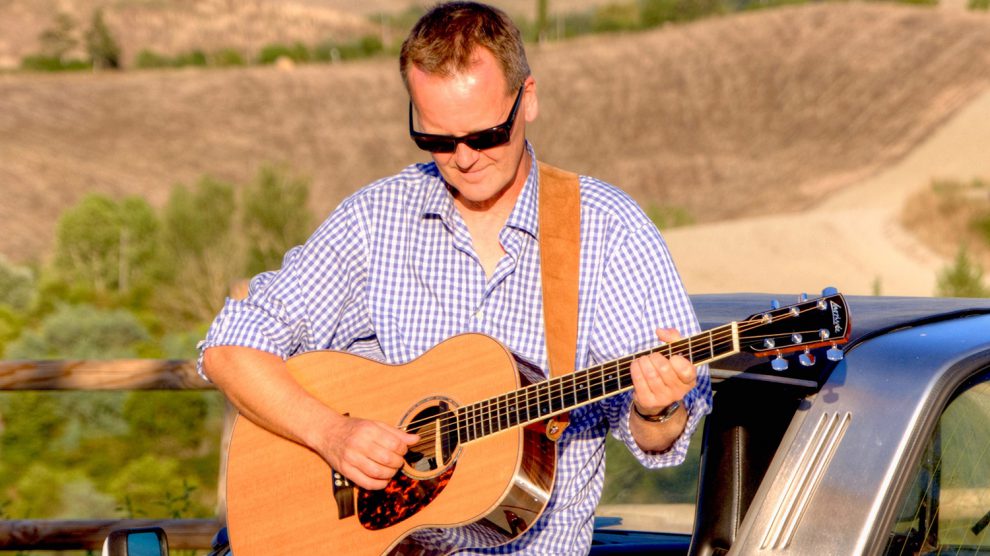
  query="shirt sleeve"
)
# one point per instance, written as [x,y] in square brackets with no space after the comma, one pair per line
[642,291]
[322,277]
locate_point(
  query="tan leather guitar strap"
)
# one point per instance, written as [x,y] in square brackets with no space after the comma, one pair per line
[560,264]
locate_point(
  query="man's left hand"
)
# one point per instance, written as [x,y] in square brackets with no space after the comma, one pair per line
[659,381]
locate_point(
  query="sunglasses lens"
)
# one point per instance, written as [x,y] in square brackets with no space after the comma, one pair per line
[435,144]
[487,139]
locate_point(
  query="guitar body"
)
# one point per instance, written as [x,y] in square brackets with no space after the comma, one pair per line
[283,498]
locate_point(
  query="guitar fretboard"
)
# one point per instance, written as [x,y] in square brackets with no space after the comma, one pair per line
[557,395]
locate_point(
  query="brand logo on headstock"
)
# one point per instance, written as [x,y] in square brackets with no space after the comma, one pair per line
[836,316]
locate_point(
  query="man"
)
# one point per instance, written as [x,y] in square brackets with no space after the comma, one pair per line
[452,247]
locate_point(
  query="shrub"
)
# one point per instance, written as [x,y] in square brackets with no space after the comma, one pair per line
[271,53]
[963,278]
[275,218]
[193,58]
[41,62]
[616,17]
[983,5]
[332,51]
[17,286]
[666,217]
[657,12]
[227,57]
[151,59]
[81,332]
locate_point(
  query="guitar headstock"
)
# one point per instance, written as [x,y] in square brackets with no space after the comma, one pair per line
[800,327]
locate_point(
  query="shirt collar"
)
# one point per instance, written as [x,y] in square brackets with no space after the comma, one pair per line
[524,215]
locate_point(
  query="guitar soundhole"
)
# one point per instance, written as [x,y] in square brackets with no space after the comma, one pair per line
[429,466]
[438,443]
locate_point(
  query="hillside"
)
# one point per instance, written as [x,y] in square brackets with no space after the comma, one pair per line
[739,116]
[177,26]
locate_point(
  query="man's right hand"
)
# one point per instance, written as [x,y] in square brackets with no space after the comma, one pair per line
[260,386]
[369,453]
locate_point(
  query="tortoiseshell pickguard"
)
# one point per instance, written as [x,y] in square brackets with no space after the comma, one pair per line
[400,500]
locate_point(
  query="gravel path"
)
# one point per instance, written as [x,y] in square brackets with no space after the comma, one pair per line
[853,240]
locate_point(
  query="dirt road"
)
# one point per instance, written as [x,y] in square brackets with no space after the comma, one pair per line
[853,240]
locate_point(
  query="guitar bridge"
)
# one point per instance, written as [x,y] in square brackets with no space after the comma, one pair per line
[343,494]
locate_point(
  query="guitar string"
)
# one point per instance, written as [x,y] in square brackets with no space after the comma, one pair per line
[595,382]
[479,421]
[478,416]
[482,420]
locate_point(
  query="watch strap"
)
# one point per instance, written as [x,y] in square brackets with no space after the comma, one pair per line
[662,417]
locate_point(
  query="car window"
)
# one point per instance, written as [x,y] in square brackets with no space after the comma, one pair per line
[947,507]
[657,500]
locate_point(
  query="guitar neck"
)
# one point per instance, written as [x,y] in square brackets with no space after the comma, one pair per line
[560,394]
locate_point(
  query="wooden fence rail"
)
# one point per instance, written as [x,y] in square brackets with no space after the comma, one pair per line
[111,374]
[117,374]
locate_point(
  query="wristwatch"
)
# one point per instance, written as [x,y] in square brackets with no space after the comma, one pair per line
[662,417]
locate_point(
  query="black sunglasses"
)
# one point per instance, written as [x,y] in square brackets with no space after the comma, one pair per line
[478,140]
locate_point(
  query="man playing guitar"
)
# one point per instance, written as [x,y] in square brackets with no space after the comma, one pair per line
[449,247]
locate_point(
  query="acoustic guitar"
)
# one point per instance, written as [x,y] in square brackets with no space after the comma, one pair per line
[485,462]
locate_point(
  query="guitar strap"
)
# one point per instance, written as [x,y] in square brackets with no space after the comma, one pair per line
[560,264]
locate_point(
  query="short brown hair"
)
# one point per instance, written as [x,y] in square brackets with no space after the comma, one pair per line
[443,40]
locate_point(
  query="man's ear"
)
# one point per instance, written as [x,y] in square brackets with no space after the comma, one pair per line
[530,102]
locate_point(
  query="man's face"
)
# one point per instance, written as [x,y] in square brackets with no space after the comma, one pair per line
[475,100]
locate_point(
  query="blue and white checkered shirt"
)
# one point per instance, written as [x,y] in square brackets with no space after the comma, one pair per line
[392,272]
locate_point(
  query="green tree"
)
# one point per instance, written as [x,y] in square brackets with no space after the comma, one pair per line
[17,286]
[84,332]
[165,423]
[963,278]
[102,48]
[200,250]
[275,218]
[156,486]
[105,247]
[30,421]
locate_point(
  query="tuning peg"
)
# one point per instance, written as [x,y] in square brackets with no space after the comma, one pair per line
[829,291]
[774,304]
[802,298]
[779,364]
[834,353]
[806,359]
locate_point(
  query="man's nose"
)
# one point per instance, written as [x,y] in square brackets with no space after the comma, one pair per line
[465,156]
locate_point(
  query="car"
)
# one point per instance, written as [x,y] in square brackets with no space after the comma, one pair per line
[884,451]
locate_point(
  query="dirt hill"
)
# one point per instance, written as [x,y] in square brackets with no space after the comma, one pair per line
[739,116]
[179,26]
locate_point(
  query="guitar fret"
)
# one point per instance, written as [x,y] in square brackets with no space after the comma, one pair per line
[477,424]
[503,413]
[568,395]
[580,388]
[486,418]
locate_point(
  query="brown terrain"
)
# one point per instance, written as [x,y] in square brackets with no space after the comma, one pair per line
[736,119]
